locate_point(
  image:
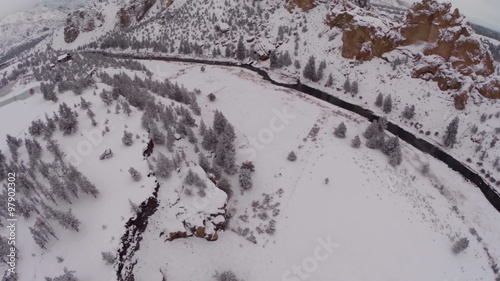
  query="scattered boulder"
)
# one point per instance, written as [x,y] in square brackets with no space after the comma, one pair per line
[106,155]
[460,101]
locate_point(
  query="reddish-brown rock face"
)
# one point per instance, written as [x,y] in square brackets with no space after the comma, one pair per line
[137,10]
[305,5]
[490,89]
[364,36]
[434,22]
[81,21]
[450,38]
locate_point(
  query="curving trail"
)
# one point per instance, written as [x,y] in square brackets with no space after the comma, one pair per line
[489,192]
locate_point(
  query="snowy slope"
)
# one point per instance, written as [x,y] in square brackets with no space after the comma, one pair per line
[40,20]
[368,208]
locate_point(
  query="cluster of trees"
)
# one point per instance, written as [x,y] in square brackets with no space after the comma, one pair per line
[193,179]
[280,60]
[385,103]
[68,275]
[245,177]
[351,87]
[64,180]
[310,71]
[376,139]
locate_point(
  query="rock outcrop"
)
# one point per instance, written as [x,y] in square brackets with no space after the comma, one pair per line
[134,12]
[81,21]
[452,49]
[365,36]
[305,5]
[451,36]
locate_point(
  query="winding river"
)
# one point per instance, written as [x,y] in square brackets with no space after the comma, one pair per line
[489,192]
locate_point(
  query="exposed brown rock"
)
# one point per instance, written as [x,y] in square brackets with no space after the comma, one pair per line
[451,39]
[305,5]
[81,21]
[212,237]
[460,101]
[490,89]
[200,232]
[123,18]
[176,235]
[137,10]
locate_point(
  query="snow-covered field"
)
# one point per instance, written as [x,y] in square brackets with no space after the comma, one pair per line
[379,222]
[370,221]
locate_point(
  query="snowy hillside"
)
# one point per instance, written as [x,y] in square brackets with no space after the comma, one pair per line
[250,140]
[41,20]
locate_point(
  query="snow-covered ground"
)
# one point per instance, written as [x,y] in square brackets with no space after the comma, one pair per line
[335,212]
[382,223]
[370,221]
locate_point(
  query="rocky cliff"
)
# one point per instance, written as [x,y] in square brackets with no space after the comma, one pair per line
[134,12]
[81,21]
[452,50]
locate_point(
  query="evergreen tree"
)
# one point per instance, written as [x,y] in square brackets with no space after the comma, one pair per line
[50,126]
[450,136]
[48,92]
[37,128]
[67,276]
[347,86]
[395,156]
[14,144]
[84,104]
[53,147]
[460,245]
[203,128]
[203,162]
[68,123]
[409,112]
[297,64]
[156,136]
[245,179]
[321,70]
[127,138]
[108,257]
[34,149]
[126,108]
[354,88]
[274,62]
[341,130]
[310,69]
[287,60]
[356,142]
[136,176]
[329,82]
[376,142]
[292,156]
[164,166]
[380,100]
[106,98]
[390,145]
[241,52]
[58,188]
[372,130]
[387,106]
